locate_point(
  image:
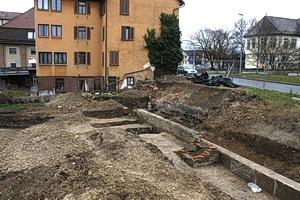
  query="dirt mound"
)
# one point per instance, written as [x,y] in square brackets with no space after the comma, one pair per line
[69,100]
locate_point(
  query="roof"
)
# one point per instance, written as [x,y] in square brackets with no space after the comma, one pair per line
[276,26]
[9,15]
[25,20]
[15,35]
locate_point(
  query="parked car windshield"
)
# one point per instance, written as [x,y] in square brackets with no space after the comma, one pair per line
[187,67]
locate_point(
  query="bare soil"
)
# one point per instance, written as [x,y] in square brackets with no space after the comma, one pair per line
[264,132]
[65,157]
[57,153]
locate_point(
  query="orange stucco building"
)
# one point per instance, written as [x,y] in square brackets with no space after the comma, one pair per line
[89,45]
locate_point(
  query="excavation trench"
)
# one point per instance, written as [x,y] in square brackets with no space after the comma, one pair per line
[252,146]
[275,184]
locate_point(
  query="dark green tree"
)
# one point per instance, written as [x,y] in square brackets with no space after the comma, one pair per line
[165,51]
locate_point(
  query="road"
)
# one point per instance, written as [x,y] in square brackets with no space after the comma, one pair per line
[281,87]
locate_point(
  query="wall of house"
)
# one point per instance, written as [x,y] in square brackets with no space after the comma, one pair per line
[251,58]
[133,56]
[142,15]
[67,19]
[21,58]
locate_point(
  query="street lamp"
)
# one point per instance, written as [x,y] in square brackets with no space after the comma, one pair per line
[241,50]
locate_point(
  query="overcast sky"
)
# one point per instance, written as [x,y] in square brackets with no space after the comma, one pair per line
[198,14]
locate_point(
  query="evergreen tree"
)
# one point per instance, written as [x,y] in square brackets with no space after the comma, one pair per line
[165,51]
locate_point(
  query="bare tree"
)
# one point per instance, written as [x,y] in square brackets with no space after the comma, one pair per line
[216,44]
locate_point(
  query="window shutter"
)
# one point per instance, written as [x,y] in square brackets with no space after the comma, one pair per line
[88,7]
[117,57]
[75,58]
[75,32]
[102,59]
[114,58]
[123,33]
[88,58]
[126,7]
[121,6]
[75,7]
[102,8]
[131,33]
[88,33]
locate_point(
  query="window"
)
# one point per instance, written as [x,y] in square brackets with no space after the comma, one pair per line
[43,4]
[12,50]
[82,7]
[130,81]
[56,31]
[285,43]
[124,7]
[127,33]
[82,33]
[272,42]
[59,84]
[56,5]
[294,43]
[45,58]
[263,42]
[102,7]
[114,58]
[60,58]
[32,51]
[253,43]
[13,65]
[82,58]
[248,44]
[31,35]
[43,30]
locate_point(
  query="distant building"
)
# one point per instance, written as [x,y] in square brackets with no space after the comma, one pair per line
[89,45]
[17,50]
[7,16]
[276,39]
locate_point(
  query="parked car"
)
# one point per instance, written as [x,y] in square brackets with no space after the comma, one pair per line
[185,70]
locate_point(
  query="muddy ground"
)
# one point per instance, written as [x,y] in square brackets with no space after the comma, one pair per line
[53,151]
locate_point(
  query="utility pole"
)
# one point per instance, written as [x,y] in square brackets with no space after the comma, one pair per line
[241,50]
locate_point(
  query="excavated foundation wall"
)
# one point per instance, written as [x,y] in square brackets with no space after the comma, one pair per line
[178,130]
[187,112]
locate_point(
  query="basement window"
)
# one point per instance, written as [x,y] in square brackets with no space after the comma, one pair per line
[59,84]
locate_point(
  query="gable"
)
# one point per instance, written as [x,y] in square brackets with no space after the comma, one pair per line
[25,20]
[275,26]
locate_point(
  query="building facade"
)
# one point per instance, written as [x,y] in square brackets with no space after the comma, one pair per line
[274,40]
[90,45]
[17,51]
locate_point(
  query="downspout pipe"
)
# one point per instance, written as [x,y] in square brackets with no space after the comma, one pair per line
[106,66]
